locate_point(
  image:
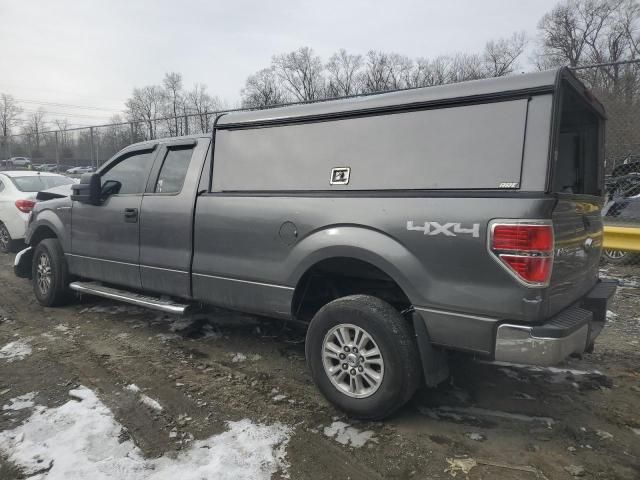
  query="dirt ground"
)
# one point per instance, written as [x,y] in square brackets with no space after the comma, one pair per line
[510,422]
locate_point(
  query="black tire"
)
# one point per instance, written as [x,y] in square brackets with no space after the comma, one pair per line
[49,251]
[7,244]
[395,340]
[620,257]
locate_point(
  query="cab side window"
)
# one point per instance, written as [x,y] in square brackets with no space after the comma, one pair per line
[130,173]
[174,170]
[1,186]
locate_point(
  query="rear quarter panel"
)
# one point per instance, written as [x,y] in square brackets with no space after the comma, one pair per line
[238,238]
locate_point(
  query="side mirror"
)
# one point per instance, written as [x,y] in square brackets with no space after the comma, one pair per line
[88,190]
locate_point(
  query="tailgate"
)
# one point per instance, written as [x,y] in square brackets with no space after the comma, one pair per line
[577,226]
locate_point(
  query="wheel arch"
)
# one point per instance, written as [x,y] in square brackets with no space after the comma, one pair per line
[351,252]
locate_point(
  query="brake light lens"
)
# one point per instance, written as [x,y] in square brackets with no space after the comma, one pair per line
[25,206]
[525,250]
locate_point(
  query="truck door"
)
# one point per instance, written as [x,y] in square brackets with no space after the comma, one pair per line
[166,222]
[105,238]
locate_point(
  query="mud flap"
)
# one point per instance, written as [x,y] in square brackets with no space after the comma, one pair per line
[435,364]
[22,263]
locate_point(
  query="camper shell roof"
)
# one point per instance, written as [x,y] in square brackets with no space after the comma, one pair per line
[473,91]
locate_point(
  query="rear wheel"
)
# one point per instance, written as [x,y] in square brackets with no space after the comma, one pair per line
[363,356]
[7,244]
[49,273]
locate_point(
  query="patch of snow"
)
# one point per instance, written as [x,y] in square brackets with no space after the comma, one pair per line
[477,437]
[16,350]
[460,465]
[635,430]
[279,398]
[80,440]
[132,388]
[21,402]
[611,316]
[604,435]
[150,402]
[61,328]
[239,357]
[345,434]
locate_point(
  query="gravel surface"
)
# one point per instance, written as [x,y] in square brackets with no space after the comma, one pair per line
[170,383]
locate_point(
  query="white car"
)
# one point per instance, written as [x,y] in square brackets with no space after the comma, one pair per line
[80,170]
[18,191]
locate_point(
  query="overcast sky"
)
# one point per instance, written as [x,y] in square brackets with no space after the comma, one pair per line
[92,53]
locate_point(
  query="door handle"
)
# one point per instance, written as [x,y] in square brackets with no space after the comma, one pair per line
[131,215]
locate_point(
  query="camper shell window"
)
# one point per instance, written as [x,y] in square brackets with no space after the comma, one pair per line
[578,152]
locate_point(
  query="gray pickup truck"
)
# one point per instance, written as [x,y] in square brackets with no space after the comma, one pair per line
[398,226]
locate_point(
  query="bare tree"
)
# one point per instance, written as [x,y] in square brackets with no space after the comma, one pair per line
[501,56]
[172,84]
[9,113]
[263,89]
[571,32]
[34,127]
[62,126]
[466,66]
[377,73]
[203,105]
[301,73]
[145,106]
[343,74]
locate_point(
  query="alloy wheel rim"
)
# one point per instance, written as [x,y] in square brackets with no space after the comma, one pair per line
[4,237]
[43,274]
[615,254]
[352,360]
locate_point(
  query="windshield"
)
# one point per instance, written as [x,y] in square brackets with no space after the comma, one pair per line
[37,183]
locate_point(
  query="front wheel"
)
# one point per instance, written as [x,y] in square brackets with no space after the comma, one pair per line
[49,273]
[363,356]
[7,244]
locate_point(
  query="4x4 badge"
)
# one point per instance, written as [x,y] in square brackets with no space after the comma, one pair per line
[450,229]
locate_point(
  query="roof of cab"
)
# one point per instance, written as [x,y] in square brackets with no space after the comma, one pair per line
[537,82]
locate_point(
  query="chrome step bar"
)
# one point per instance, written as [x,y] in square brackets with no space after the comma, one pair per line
[94,288]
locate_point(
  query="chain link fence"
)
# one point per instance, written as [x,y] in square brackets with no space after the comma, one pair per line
[60,150]
[616,85]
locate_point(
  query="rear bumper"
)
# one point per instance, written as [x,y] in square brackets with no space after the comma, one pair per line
[571,331]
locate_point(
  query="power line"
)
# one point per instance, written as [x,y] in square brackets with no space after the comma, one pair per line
[57,104]
[69,114]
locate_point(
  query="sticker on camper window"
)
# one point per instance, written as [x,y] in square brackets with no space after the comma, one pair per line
[340,175]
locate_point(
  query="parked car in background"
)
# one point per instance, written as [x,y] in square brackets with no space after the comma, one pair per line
[622,209]
[20,162]
[76,170]
[18,189]
[44,167]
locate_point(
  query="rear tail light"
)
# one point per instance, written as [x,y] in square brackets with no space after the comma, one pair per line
[25,206]
[525,249]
